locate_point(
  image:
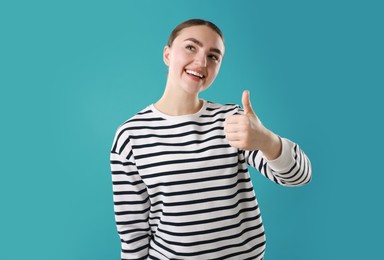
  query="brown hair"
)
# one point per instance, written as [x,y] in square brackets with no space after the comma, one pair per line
[193,22]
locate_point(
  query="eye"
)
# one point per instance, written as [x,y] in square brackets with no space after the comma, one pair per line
[213,57]
[190,47]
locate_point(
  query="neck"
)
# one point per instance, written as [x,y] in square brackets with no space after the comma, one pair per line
[177,104]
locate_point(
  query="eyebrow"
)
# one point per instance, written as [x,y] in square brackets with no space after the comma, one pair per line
[201,45]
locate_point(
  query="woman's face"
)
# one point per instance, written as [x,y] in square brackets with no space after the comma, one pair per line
[194,59]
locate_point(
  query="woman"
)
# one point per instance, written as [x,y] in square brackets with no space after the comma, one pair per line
[179,167]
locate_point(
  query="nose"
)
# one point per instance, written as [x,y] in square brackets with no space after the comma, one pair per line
[201,60]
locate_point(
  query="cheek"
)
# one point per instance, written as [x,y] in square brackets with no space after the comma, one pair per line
[175,66]
[178,63]
[213,73]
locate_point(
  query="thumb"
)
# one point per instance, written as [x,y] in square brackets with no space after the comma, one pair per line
[247,103]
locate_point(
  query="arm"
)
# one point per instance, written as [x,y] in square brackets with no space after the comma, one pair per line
[291,168]
[131,202]
[278,159]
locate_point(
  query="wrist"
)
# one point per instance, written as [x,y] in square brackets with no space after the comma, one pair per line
[273,146]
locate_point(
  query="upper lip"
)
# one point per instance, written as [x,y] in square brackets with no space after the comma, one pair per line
[198,71]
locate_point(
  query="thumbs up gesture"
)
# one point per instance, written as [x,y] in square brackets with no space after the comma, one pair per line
[246,132]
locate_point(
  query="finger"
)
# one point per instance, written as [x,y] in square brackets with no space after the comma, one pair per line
[235,128]
[236,144]
[248,110]
[232,137]
[236,119]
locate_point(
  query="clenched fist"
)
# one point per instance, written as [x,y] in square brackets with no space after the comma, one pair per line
[246,132]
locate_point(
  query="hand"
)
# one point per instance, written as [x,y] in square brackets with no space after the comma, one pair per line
[246,132]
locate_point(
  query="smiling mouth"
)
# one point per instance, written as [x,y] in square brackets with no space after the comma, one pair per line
[194,73]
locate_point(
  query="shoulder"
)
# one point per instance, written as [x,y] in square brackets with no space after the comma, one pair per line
[226,109]
[137,120]
[136,123]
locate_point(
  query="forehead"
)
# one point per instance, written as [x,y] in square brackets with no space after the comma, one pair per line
[204,34]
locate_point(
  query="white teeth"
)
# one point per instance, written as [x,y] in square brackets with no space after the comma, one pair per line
[195,73]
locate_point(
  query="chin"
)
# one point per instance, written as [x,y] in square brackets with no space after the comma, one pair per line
[194,90]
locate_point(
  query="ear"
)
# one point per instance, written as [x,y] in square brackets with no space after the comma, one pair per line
[166,55]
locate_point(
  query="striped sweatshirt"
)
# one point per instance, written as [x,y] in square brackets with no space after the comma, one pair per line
[181,191]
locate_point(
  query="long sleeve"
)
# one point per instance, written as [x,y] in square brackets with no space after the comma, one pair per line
[182,192]
[131,201]
[291,168]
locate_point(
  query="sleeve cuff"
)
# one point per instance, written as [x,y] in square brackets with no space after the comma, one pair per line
[285,159]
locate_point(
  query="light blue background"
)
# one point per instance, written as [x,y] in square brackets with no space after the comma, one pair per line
[72,71]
